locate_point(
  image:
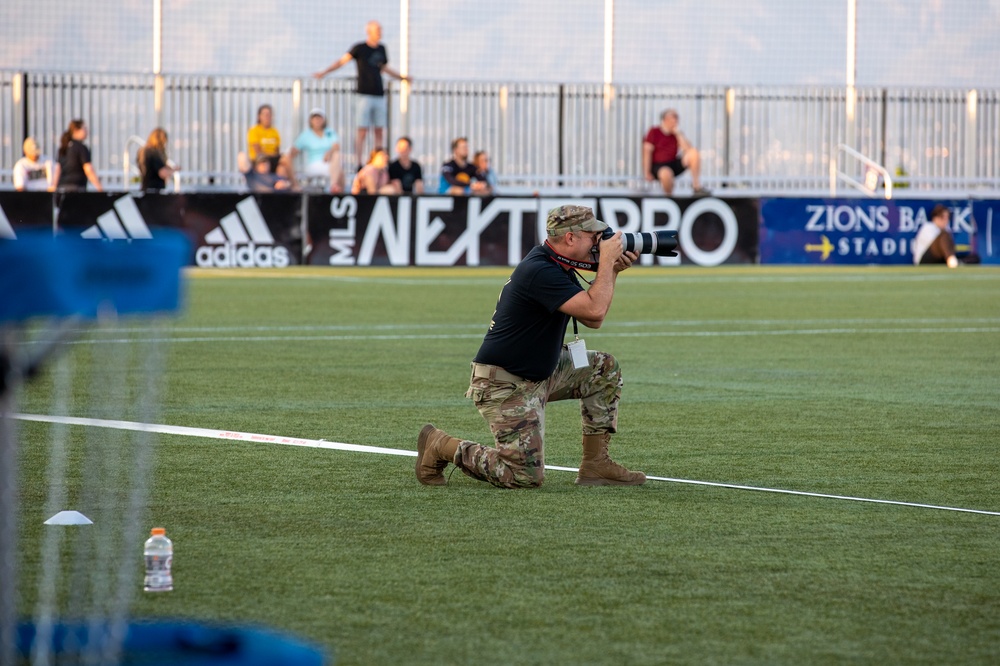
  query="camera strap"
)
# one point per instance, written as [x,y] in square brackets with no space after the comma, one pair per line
[577,348]
[566,261]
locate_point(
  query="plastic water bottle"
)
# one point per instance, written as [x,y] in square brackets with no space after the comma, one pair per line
[159,553]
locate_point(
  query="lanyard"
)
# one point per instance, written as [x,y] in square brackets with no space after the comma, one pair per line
[576,331]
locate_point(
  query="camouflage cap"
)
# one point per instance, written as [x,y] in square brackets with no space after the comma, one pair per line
[572,218]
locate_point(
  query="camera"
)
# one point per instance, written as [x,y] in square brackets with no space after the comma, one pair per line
[660,243]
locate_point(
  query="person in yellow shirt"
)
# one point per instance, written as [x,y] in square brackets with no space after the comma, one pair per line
[264,139]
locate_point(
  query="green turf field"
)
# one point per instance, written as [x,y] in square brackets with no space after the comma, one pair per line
[869,382]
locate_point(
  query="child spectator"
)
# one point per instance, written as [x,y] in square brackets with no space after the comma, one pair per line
[259,177]
[484,174]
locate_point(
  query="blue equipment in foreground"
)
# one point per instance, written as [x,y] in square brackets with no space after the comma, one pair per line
[70,279]
[65,276]
[166,643]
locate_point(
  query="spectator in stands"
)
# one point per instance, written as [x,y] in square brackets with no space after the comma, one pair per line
[405,171]
[374,176]
[264,139]
[259,177]
[484,174]
[372,60]
[666,154]
[154,167]
[458,177]
[75,169]
[934,243]
[33,172]
[320,149]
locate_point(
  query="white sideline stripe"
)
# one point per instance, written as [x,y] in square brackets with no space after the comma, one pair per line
[211,434]
[340,446]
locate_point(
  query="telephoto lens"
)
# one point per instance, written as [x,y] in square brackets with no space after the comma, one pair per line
[660,243]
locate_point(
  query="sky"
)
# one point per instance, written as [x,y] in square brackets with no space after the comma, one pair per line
[925,43]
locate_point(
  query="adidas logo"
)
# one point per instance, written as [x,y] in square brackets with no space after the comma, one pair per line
[243,240]
[128,223]
[6,228]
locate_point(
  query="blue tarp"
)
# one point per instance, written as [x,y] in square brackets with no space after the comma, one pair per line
[64,276]
[163,643]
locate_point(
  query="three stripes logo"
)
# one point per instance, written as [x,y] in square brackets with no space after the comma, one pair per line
[243,240]
[6,228]
[126,224]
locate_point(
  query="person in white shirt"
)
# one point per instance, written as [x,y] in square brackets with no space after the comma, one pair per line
[34,171]
[933,243]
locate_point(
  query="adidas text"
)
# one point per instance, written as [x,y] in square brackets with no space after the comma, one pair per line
[242,256]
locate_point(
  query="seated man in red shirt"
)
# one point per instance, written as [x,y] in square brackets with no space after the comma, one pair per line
[666,154]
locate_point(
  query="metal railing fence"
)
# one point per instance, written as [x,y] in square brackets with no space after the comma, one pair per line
[761,139]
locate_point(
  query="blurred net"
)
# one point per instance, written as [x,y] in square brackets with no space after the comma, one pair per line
[65,315]
[712,42]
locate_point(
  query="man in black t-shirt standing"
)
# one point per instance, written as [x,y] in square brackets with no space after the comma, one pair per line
[372,59]
[523,363]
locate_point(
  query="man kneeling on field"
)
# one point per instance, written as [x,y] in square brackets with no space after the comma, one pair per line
[523,363]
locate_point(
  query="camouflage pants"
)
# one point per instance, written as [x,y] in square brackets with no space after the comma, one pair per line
[515,411]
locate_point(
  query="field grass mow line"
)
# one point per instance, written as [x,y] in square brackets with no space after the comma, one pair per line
[464,276]
[478,334]
[822,279]
[610,324]
[235,436]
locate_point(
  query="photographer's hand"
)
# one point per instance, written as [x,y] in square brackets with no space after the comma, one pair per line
[625,261]
[611,249]
[590,307]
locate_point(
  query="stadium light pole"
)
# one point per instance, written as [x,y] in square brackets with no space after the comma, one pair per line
[158,61]
[609,50]
[404,65]
[852,64]
[609,71]
[971,132]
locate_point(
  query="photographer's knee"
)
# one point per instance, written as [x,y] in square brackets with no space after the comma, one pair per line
[529,477]
[608,366]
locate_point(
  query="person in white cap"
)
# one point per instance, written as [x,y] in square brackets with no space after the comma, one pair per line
[319,146]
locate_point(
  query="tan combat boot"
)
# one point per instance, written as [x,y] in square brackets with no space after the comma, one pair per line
[435,449]
[597,469]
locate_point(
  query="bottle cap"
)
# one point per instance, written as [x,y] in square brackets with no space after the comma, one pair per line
[158,531]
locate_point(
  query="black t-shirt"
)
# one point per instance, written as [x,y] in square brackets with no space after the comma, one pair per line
[454,175]
[370,62]
[71,165]
[150,163]
[406,177]
[527,330]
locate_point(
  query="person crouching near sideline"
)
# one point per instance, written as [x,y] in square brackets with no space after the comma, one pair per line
[523,364]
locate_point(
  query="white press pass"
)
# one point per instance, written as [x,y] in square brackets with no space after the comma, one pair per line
[578,350]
